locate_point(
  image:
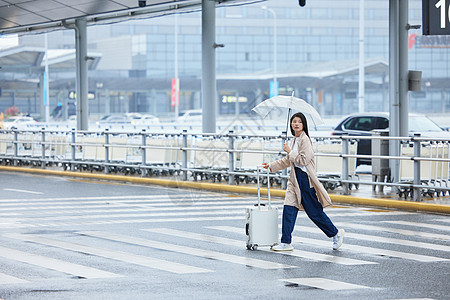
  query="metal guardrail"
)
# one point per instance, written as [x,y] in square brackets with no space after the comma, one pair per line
[230,157]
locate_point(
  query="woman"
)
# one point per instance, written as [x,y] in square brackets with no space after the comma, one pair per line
[304,190]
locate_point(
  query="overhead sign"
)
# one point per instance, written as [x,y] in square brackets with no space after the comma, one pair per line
[436,17]
[73,95]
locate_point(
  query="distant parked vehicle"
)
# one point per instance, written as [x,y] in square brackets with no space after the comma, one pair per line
[18,122]
[361,124]
[146,120]
[190,116]
[114,119]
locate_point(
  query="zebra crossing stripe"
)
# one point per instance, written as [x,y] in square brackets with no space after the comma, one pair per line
[443,220]
[7,279]
[251,262]
[424,225]
[397,231]
[127,198]
[241,244]
[146,261]
[201,195]
[124,221]
[380,239]
[324,283]
[149,215]
[23,191]
[114,209]
[373,250]
[54,264]
[357,248]
[114,205]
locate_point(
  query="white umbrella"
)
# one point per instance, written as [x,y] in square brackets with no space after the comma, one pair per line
[280,108]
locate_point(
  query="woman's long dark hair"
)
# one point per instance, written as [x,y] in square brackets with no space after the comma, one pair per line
[305,124]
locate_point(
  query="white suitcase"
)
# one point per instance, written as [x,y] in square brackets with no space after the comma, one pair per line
[261,226]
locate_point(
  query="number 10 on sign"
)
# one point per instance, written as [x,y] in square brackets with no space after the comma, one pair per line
[442,5]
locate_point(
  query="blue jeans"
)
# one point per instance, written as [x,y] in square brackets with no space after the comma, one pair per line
[312,207]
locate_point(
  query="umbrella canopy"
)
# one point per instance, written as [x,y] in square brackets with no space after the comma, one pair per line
[282,107]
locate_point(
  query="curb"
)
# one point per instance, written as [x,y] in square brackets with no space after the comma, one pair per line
[341,199]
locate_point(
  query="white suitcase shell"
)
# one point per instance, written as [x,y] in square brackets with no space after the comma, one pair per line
[261,225]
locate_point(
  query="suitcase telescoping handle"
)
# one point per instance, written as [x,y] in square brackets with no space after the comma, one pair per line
[259,186]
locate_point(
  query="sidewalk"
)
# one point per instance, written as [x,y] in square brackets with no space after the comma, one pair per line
[362,196]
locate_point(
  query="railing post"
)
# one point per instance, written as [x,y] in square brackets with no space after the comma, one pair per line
[184,163]
[284,172]
[144,153]
[416,190]
[16,146]
[106,151]
[344,176]
[231,157]
[74,138]
[43,147]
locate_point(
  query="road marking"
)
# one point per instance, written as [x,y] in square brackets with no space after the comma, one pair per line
[443,220]
[397,231]
[132,221]
[148,215]
[324,283]
[415,299]
[381,239]
[55,264]
[424,225]
[23,191]
[99,204]
[356,248]
[163,196]
[301,253]
[115,209]
[372,250]
[7,279]
[146,261]
[247,261]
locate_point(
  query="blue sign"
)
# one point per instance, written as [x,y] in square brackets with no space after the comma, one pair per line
[273,90]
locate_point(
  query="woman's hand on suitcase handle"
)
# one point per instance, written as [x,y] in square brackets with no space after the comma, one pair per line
[266,166]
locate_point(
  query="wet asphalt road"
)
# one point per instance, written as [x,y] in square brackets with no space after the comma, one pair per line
[63,238]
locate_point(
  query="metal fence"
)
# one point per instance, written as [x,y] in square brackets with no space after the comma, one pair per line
[424,163]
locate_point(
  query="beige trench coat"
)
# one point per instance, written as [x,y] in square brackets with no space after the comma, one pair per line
[304,157]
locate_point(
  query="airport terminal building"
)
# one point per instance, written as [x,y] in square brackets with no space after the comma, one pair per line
[132,63]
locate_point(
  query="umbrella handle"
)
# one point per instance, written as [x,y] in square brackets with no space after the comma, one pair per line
[287,123]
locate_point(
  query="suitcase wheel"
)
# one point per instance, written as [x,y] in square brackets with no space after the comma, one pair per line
[252,247]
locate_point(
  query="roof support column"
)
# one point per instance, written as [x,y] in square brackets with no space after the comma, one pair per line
[398,78]
[82,74]
[209,87]
[394,146]
[403,66]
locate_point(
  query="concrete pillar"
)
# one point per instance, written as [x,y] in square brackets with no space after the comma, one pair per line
[403,66]
[209,88]
[394,146]
[82,74]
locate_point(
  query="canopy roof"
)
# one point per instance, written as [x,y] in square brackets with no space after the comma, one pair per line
[20,16]
[26,59]
[317,70]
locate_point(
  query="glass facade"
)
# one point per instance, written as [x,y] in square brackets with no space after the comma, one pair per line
[321,33]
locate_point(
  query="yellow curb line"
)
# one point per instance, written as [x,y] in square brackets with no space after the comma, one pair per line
[342,199]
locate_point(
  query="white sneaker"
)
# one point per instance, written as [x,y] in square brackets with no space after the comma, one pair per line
[282,247]
[338,239]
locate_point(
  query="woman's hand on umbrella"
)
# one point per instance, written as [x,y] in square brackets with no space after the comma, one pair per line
[286,147]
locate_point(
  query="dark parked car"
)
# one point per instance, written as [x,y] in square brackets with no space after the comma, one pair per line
[361,124]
